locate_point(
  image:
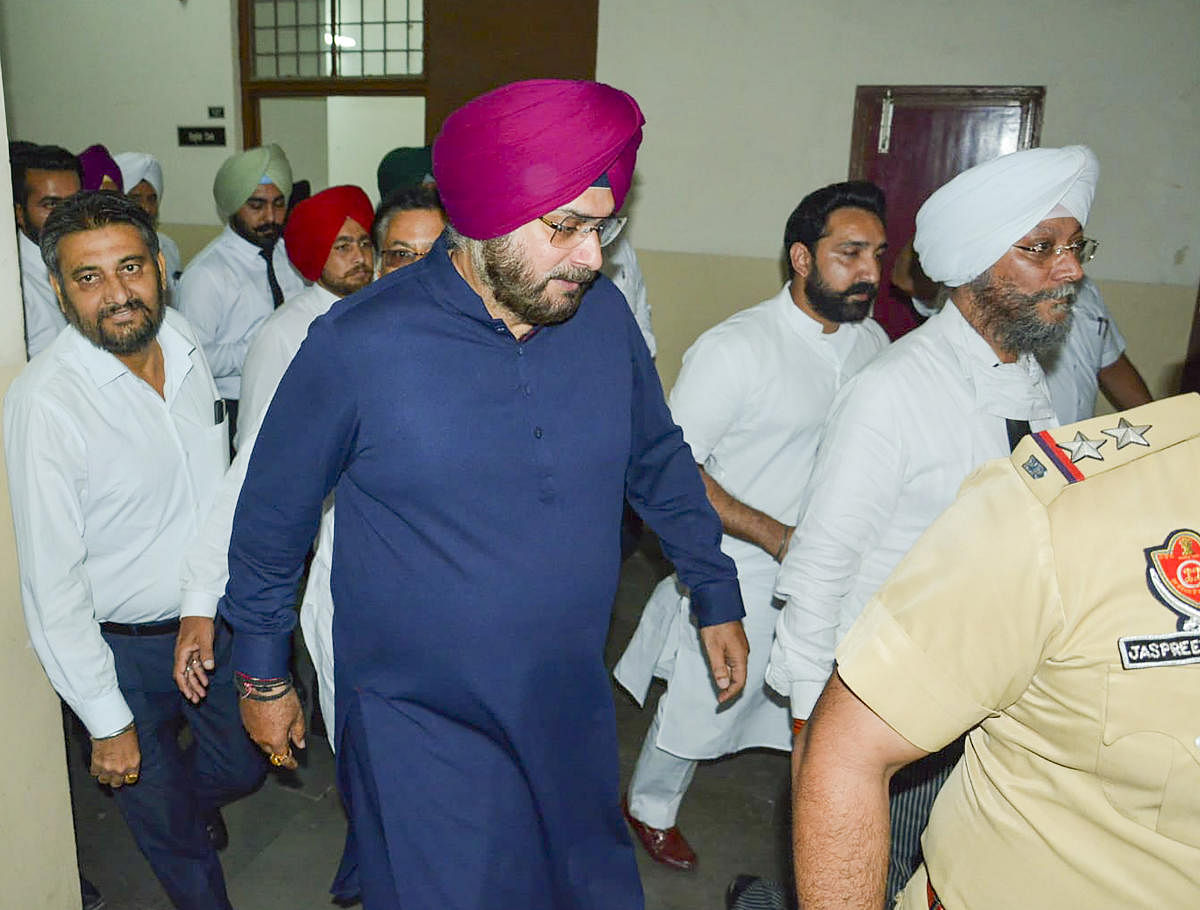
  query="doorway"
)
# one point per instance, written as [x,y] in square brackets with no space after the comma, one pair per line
[910,139]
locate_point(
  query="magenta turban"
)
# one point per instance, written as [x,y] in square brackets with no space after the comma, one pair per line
[314,224]
[520,151]
[97,164]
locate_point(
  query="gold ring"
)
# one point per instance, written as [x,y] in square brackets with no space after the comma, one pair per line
[279,760]
[131,777]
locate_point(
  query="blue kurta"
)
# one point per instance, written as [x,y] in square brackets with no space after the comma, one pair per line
[479,483]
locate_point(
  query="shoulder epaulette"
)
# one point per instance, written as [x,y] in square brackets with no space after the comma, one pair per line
[1052,460]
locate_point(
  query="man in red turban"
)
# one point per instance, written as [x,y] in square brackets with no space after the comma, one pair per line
[481,417]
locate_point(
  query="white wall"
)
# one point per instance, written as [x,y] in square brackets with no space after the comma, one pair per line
[126,74]
[749,102]
[363,130]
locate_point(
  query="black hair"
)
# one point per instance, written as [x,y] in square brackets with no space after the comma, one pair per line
[411,198]
[809,219]
[89,212]
[28,156]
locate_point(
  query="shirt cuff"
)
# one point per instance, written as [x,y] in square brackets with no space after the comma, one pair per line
[199,603]
[717,602]
[105,715]
[263,656]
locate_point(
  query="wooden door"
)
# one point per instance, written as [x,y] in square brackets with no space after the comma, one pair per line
[909,140]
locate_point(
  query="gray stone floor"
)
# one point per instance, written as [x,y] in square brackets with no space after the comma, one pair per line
[286,839]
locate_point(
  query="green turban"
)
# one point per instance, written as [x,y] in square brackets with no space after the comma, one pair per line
[242,173]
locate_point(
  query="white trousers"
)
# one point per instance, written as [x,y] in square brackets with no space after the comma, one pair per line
[659,780]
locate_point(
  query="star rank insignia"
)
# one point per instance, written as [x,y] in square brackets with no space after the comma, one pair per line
[1081,447]
[1127,434]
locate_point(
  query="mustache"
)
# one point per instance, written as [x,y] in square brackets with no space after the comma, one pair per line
[268,230]
[111,309]
[578,275]
[862,287]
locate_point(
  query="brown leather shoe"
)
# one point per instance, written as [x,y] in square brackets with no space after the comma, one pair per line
[665,845]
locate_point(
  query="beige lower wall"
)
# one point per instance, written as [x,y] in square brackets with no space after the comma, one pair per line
[691,292]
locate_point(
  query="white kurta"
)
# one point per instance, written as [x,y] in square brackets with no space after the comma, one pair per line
[751,399]
[226,297]
[43,317]
[109,481]
[621,267]
[206,563]
[902,436]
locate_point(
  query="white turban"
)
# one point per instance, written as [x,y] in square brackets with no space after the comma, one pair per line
[138,166]
[965,227]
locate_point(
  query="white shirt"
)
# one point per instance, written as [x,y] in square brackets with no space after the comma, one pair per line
[272,349]
[206,562]
[43,317]
[621,267]
[226,297]
[170,251]
[902,436]
[1093,343]
[751,398]
[109,483]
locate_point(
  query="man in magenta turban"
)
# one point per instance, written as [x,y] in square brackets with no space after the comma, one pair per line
[481,416]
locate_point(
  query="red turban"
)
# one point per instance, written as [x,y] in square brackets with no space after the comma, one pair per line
[520,151]
[314,224]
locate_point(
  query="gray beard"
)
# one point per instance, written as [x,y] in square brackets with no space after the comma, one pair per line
[1011,320]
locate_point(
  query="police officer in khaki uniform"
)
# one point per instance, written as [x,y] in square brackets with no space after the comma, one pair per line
[1054,612]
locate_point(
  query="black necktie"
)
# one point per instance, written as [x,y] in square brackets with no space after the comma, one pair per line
[276,290]
[1017,430]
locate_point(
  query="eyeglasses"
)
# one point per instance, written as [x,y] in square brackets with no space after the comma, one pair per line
[394,259]
[364,245]
[1083,249]
[571,230]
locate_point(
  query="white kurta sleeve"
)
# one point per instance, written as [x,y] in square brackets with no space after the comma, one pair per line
[853,491]
[710,392]
[47,479]
[205,570]
[203,300]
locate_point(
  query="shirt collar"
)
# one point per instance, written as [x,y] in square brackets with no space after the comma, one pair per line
[450,288]
[1016,390]
[31,255]
[243,248]
[103,367]
[803,324]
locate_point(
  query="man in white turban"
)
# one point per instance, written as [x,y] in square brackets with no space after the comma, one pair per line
[1007,238]
[239,279]
[143,179]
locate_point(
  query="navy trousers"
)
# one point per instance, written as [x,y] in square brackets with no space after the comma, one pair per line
[180,787]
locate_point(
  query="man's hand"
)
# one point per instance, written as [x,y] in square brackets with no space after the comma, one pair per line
[275,725]
[727,650]
[194,657]
[118,760]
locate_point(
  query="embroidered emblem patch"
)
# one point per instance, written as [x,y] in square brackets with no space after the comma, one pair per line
[1173,577]
[1034,468]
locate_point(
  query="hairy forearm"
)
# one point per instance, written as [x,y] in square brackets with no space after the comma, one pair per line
[1123,385]
[843,761]
[746,523]
[840,837]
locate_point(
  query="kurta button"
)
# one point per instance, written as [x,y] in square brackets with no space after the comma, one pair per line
[1198,742]
[537,431]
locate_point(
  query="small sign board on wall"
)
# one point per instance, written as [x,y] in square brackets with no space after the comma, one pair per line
[201,135]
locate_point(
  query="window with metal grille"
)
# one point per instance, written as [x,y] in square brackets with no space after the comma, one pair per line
[332,39]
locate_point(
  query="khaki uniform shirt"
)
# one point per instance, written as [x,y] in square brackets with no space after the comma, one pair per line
[1054,610]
